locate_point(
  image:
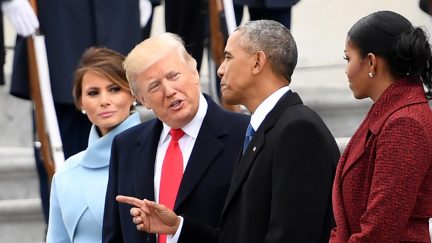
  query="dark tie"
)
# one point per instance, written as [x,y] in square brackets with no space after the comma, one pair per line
[248,137]
[172,173]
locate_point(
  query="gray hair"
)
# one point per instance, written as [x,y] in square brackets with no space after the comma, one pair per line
[150,51]
[275,40]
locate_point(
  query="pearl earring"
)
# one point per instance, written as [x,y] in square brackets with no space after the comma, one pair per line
[370,75]
[83,111]
[134,103]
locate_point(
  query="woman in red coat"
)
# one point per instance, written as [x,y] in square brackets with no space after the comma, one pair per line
[383,185]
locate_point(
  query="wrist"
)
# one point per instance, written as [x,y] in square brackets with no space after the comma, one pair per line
[174,228]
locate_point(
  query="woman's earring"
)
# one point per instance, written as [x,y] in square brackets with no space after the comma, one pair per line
[370,75]
[134,103]
[83,111]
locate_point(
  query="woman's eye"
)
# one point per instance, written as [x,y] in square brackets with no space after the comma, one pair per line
[92,93]
[115,89]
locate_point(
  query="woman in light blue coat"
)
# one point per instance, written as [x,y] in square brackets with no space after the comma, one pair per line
[101,91]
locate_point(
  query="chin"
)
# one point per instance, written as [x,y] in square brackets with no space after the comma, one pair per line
[229,100]
[359,96]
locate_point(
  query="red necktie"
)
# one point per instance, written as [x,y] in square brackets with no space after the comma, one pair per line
[172,173]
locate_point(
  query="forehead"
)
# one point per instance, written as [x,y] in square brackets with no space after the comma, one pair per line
[164,64]
[234,41]
[92,79]
[170,63]
[350,45]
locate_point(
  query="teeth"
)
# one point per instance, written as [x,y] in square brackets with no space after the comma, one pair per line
[175,103]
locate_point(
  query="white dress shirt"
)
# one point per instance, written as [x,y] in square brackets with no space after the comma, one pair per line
[186,144]
[266,106]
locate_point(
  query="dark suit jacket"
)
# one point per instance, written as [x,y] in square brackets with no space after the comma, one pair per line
[205,182]
[267,3]
[383,185]
[281,187]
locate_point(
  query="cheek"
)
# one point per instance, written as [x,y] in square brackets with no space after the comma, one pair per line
[152,101]
[91,115]
[88,105]
[353,72]
[348,70]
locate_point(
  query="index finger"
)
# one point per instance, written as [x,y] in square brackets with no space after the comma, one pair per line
[130,200]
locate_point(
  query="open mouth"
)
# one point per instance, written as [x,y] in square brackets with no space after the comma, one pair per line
[176,104]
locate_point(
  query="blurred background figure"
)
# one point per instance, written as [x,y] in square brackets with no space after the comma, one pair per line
[146,15]
[278,10]
[23,19]
[426,6]
[188,19]
[101,93]
[70,27]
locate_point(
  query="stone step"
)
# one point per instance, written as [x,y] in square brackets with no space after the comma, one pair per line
[21,220]
[18,176]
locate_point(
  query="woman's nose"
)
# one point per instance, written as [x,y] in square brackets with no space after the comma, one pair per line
[104,99]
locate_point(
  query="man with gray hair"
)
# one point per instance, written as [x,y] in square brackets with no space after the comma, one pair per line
[281,185]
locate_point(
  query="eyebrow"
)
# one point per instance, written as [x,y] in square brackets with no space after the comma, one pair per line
[91,88]
[113,85]
[97,88]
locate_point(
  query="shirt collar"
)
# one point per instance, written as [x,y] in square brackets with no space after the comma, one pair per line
[193,127]
[266,106]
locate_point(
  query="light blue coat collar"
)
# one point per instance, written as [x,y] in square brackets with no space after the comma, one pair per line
[96,154]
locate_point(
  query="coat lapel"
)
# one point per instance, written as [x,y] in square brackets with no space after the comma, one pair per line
[257,143]
[206,148]
[398,95]
[144,160]
[244,165]
[356,151]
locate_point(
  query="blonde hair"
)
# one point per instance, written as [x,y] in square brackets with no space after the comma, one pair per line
[150,51]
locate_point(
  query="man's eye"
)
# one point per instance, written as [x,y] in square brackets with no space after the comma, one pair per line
[153,87]
[174,76]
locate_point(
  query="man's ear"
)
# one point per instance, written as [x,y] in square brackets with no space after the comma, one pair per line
[260,60]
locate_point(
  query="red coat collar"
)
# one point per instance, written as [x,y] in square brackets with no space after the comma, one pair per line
[400,94]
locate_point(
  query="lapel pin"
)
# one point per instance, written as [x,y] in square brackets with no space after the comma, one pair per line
[254,148]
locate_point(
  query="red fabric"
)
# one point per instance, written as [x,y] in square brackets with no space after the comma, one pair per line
[172,173]
[383,186]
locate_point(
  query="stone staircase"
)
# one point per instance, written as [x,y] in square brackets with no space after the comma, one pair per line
[21,218]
